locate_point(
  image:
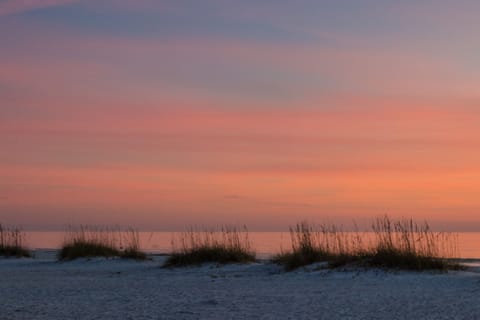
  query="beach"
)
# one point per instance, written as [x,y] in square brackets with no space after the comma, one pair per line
[43,288]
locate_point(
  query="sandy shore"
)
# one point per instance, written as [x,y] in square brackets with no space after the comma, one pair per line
[42,288]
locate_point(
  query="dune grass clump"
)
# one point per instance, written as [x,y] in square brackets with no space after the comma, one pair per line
[323,243]
[405,244]
[401,244]
[12,242]
[108,242]
[227,245]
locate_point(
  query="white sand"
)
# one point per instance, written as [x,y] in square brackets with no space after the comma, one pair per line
[42,288]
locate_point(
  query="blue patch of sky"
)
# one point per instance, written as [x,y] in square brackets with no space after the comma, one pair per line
[161,25]
[281,21]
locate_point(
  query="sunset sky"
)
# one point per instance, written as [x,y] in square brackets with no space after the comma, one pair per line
[164,114]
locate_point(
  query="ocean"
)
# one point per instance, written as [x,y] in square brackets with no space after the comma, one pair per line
[265,244]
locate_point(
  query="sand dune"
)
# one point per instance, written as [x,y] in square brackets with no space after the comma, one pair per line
[42,288]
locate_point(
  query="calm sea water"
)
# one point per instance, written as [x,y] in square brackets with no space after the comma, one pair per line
[264,243]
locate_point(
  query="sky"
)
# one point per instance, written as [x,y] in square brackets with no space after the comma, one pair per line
[166,114]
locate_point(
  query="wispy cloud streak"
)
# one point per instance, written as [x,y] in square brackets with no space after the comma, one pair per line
[10,7]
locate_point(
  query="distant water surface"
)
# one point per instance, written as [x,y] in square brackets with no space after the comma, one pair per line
[264,243]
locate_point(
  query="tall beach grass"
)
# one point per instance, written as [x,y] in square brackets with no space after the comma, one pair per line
[406,244]
[227,244]
[100,241]
[12,242]
[401,244]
